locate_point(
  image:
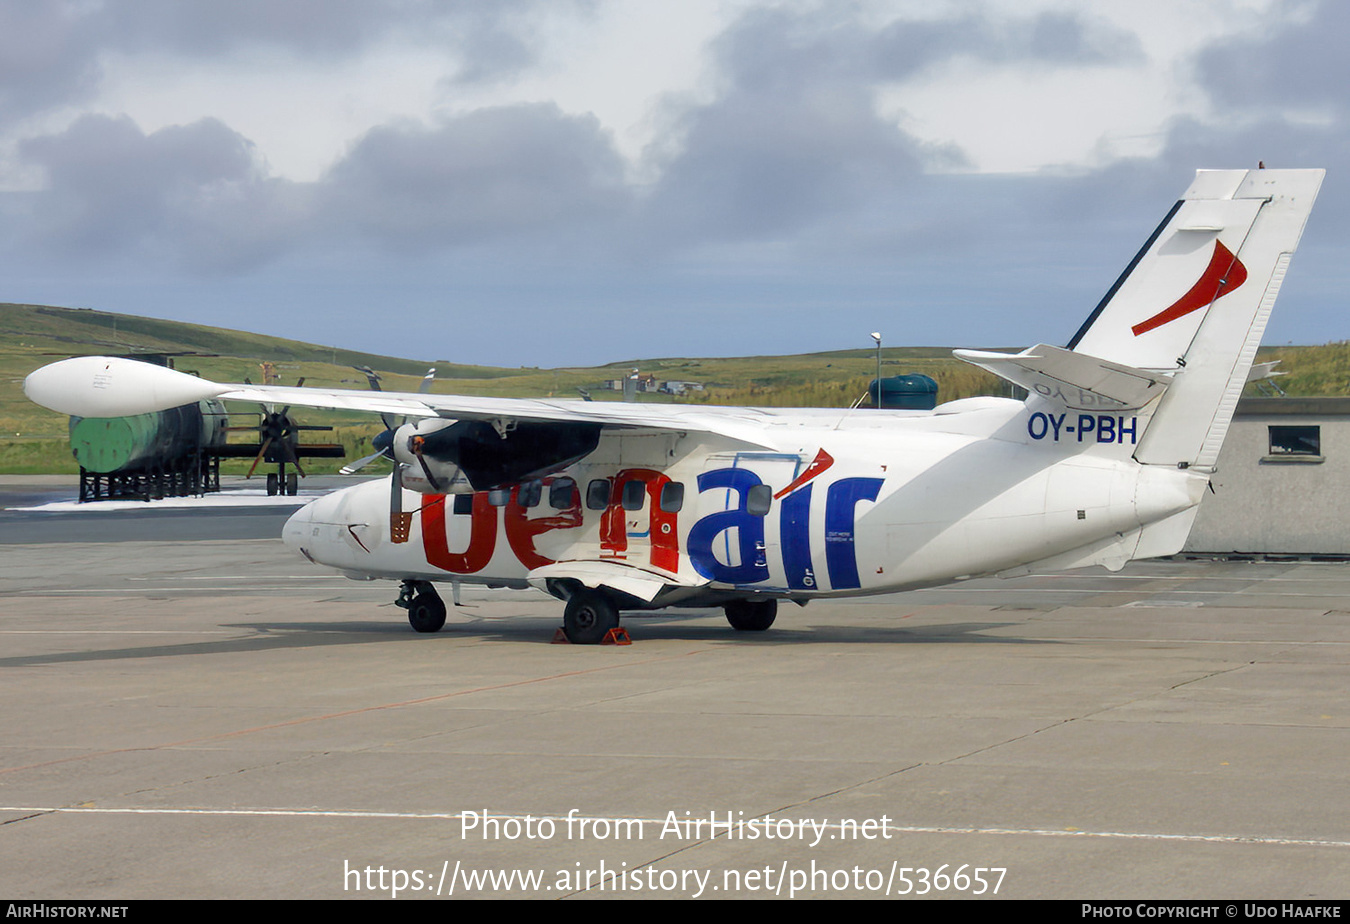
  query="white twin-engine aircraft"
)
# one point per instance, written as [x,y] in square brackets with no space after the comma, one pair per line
[613,506]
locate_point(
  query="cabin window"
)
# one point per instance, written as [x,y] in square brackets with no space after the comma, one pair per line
[634,494]
[758,500]
[1295,444]
[529,494]
[562,493]
[463,504]
[499,497]
[672,497]
[597,494]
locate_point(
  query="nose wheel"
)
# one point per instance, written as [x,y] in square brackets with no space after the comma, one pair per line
[426,609]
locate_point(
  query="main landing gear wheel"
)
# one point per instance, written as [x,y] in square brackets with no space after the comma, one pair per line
[751,615]
[589,615]
[426,609]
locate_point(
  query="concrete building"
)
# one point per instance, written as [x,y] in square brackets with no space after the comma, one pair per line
[1283,481]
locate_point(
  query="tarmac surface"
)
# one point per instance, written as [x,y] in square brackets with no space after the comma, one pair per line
[217,718]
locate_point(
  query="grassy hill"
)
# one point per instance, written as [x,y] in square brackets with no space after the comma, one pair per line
[35,440]
[1311,370]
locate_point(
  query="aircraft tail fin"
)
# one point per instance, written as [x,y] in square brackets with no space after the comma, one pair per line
[1193,304]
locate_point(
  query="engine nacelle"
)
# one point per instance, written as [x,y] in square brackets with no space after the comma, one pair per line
[424,469]
[450,479]
[462,456]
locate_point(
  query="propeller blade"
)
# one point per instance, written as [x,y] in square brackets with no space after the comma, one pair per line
[289,454]
[258,458]
[371,375]
[351,468]
[373,378]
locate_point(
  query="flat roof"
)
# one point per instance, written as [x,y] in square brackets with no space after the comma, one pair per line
[1285,407]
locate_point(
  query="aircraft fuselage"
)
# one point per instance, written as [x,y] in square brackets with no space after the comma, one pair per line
[834,503]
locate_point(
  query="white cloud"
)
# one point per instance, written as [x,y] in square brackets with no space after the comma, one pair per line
[783,170]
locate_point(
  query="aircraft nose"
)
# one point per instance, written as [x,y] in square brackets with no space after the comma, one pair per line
[302,527]
[334,529]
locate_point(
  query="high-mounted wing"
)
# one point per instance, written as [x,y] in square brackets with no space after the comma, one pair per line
[104,386]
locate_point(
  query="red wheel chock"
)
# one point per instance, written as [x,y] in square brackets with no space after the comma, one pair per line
[616,636]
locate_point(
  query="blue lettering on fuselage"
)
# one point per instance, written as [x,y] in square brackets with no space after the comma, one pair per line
[749,530]
[1086,428]
[840,504]
[794,519]
[737,527]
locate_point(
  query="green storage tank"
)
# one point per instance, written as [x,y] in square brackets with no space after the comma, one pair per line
[913,392]
[128,444]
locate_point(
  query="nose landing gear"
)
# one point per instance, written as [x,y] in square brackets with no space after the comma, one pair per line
[426,609]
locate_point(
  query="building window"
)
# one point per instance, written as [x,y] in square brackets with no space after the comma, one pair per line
[1295,444]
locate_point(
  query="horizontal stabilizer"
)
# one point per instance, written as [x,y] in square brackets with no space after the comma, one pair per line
[1075,380]
[1261,371]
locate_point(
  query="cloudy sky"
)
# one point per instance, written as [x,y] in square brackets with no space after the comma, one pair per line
[559,182]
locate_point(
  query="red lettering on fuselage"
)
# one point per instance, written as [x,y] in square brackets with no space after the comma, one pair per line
[482,536]
[521,530]
[662,524]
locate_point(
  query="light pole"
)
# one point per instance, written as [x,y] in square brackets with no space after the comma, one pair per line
[876,335]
